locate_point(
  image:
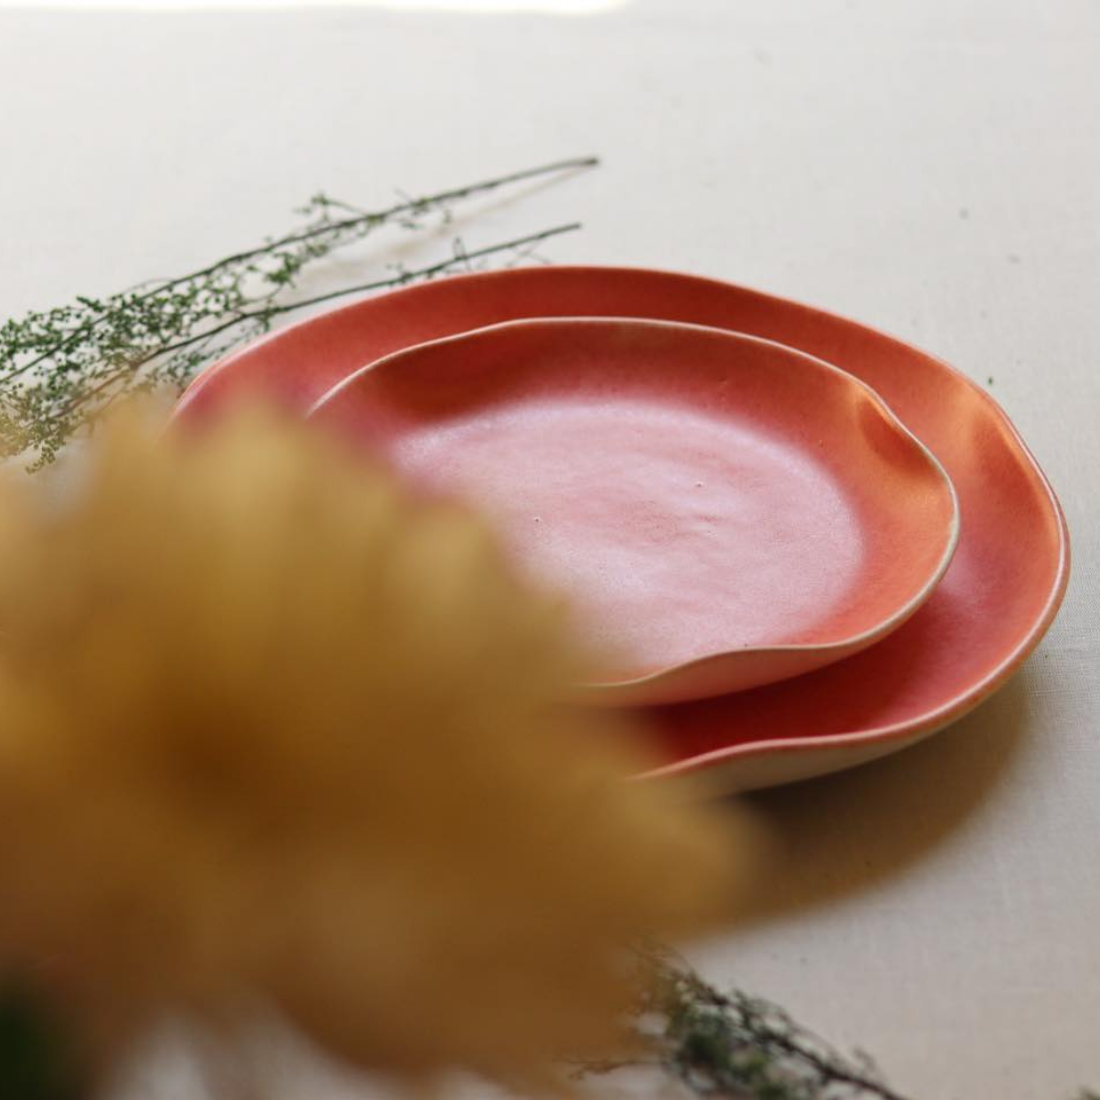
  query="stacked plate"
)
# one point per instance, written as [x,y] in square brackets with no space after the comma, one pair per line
[803,543]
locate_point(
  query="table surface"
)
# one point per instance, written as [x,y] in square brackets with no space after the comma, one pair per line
[931,167]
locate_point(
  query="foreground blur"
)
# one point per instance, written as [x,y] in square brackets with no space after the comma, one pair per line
[271,729]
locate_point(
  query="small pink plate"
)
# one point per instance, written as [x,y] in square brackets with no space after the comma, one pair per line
[724,512]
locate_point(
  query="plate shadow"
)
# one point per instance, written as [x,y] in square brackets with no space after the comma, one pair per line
[840,834]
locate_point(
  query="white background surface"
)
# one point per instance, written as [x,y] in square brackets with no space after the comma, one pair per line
[931,167]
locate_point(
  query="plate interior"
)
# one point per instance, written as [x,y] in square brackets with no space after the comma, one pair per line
[695,493]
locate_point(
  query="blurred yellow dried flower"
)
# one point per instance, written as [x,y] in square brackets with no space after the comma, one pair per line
[268,725]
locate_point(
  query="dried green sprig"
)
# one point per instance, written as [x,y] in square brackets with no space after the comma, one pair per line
[61,368]
[734,1045]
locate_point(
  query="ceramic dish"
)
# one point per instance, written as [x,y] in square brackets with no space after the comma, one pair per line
[722,511]
[993,605]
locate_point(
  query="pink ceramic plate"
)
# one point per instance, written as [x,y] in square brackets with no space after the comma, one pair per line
[725,512]
[993,605]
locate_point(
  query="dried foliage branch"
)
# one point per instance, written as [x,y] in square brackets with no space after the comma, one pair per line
[62,367]
[738,1046]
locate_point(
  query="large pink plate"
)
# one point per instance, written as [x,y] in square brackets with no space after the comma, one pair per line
[996,600]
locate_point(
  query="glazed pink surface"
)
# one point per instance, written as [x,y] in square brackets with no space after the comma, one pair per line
[997,598]
[723,511]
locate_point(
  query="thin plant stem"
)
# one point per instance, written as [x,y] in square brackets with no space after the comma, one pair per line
[61,367]
[402,279]
[371,218]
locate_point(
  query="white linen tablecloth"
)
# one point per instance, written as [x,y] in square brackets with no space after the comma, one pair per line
[931,167]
